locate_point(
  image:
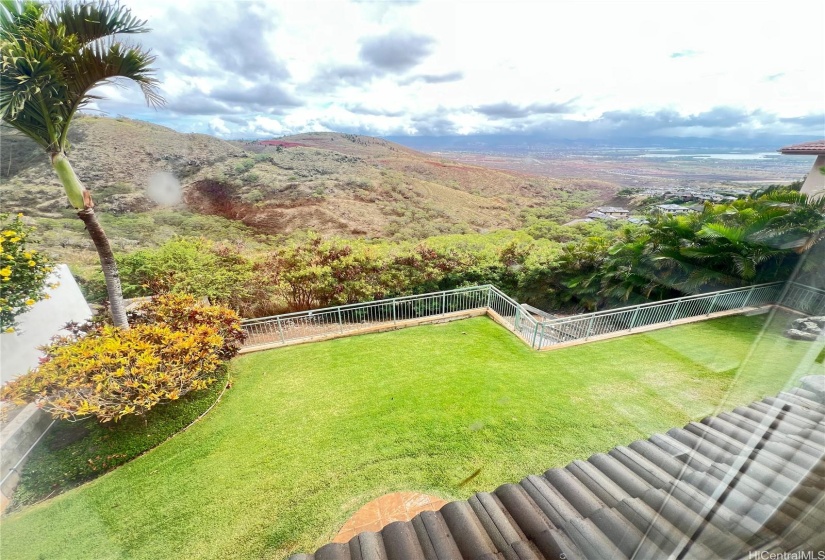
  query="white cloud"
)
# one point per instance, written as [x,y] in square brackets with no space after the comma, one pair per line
[636,56]
[218,127]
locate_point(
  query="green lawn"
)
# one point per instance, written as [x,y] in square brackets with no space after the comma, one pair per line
[310,433]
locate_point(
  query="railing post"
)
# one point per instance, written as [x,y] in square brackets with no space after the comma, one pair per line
[280,330]
[340,322]
[541,337]
[633,320]
[516,318]
[675,309]
[394,319]
[712,303]
[489,295]
[590,327]
[748,297]
[443,303]
[535,334]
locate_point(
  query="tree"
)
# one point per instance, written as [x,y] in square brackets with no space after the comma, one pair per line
[51,57]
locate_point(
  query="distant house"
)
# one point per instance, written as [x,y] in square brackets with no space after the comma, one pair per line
[613,211]
[814,185]
[675,209]
[596,215]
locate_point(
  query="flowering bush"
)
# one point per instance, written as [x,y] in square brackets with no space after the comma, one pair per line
[175,345]
[111,372]
[23,271]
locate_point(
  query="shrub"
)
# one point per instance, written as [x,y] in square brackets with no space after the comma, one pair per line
[192,266]
[112,372]
[23,271]
[182,311]
[174,346]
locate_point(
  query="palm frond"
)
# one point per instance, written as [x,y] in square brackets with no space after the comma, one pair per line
[50,58]
[92,21]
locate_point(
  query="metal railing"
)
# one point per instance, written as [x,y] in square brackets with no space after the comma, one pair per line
[625,319]
[805,299]
[535,329]
[329,321]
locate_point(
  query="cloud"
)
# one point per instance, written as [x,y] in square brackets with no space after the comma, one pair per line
[397,51]
[506,110]
[434,78]
[230,42]
[684,54]
[360,109]
[416,68]
[393,53]
[218,127]
[807,121]
[332,77]
[433,124]
[265,96]
[196,103]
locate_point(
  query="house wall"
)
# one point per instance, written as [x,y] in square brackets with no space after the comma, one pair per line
[814,185]
[19,350]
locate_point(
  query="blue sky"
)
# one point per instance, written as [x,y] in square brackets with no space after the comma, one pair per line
[564,69]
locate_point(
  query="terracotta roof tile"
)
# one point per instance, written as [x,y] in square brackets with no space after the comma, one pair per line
[817,147]
[682,494]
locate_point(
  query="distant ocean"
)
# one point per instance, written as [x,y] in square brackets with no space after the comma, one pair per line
[670,154]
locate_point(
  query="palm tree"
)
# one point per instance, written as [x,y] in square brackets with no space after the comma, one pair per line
[51,56]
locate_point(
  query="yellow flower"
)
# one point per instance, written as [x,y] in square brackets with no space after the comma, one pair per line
[9,233]
[27,255]
[6,272]
[32,263]
[10,329]
[29,301]
[14,239]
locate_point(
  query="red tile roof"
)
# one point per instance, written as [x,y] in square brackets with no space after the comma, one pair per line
[683,494]
[815,148]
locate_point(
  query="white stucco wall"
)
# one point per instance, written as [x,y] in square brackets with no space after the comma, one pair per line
[814,185]
[18,350]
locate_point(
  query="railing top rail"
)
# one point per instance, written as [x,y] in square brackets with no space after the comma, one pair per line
[321,310]
[809,288]
[619,310]
[539,312]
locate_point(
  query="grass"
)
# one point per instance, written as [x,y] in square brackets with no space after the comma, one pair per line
[310,433]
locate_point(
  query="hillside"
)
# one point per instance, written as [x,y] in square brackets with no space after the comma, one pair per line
[334,183]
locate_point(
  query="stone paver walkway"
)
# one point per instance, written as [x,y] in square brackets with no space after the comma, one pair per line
[377,514]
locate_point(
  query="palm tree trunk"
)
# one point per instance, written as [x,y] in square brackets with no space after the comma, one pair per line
[81,199]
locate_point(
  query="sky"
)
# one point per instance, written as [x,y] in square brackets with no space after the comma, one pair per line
[581,69]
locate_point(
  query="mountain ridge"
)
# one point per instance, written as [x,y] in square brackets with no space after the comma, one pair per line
[334,183]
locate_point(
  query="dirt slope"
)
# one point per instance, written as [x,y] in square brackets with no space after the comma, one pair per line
[334,183]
